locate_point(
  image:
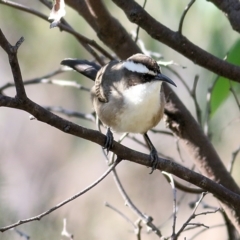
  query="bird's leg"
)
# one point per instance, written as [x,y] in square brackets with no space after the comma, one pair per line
[153,153]
[109,141]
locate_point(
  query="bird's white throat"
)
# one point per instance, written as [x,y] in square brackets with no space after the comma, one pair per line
[145,93]
[141,104]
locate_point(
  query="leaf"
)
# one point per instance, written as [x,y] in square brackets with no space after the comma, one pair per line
[221,90]
[57,12]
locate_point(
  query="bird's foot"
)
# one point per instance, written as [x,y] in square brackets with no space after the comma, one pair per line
[154,159]
[109,141]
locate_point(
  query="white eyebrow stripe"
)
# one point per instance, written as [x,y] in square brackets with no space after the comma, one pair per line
[138,67]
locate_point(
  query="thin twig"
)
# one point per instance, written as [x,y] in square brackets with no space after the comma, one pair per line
[59,82]
[205,229]
[13,61]
[192,216]
[183,15]
[234,94]
[146,219]
[35,80]
[178,204]
[192,92]
[208,108]
[138,27]
[179,150]
[46,80]
[38,217]
[162,132]
[234,156]
[21,233]
[121,214]
[139,228]
[169,176]
[194,226]
[71,113]
[207,212]
[194,96]
[64,232]
[180,78]
[147,52]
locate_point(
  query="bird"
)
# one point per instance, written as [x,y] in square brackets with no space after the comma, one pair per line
[127,95]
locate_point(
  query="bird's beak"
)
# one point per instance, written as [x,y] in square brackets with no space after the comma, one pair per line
[164,78]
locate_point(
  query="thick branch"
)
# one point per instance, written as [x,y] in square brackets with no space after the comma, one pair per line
[181,122]
[102,22]
[178,42]
[231,8]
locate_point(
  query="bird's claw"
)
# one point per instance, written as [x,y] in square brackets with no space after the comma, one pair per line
[154,159]
[109,141]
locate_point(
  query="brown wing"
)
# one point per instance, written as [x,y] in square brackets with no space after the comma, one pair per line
[104,81]
[98,86]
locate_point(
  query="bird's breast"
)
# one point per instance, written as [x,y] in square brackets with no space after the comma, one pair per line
[142,108]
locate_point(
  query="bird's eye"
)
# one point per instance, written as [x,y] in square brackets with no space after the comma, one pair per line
[147,77]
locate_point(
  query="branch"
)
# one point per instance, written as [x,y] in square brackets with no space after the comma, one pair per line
[192,216]
[208,108]
[146,219]
[231,9]
[117,38]
[123,152]
[234,156]
[205,229]
[176,41]
[21,234]
[64,26]
[12,56]
[184,14]
[234,95]
[138,28]
[65,232]
[40,216]
[71,113]
[169,176]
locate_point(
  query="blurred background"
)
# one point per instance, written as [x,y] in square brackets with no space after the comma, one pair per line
[41,166]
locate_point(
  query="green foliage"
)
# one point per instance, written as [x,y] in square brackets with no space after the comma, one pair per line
[221,90]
